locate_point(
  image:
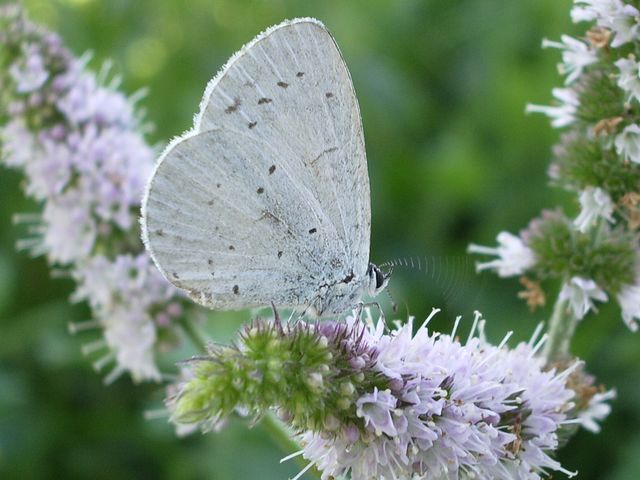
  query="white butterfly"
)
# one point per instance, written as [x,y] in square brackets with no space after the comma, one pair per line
[266,199]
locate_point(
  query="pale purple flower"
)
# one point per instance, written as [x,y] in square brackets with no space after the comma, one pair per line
[580,292]
[629,78]
[68,232]
[514,256]
[595,204]
[562,114]
[85,100]
[29,73]
[590,10]
[49,169]
[17,142]
[376,410]
[122,294]
[627,143]
[620,18]
[596,411]
[576,55]
[629,300]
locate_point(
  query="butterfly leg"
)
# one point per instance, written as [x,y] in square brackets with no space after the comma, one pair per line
[360,306]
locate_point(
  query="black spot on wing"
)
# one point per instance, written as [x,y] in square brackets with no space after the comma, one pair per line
[349,277]
[232,108]
[272,169]
[236,289]
[260,190]
[280,254]
[300,74]
[313,230]
[282,84]
[231,247]
[252,124]
[328,94]
[264,100]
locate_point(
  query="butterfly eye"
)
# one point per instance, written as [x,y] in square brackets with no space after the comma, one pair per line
[380,280]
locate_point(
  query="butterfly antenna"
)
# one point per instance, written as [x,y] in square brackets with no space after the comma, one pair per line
[449,273]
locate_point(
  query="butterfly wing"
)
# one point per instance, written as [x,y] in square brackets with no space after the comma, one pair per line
[267,199]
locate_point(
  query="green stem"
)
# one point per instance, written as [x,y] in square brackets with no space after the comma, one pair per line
[193,334]
[562,326]
[279,433]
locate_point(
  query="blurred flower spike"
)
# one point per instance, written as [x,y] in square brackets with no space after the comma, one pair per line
[79,144]
[376,405]
[595,255]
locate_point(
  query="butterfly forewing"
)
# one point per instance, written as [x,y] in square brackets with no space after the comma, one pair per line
[268,198]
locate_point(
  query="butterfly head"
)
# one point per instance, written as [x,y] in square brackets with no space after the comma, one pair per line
[378,280]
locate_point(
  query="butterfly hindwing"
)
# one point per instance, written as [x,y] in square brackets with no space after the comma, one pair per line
[267,198]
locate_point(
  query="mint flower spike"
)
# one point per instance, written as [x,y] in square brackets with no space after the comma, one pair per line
[371,404]
[80,146]
[595,255]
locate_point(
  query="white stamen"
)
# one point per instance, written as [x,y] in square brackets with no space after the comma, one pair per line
[434,312]
[75,327]
[138,95]
[303,471]
[293,455]
[477,316]
[473,248]
[102,362]
[91,347]
[113,375]
[28,243]
[505,339]
[38,230]
[563,375]
[539,345]
[60,273]
[156,414]
[455,326]
[18,218]
[535,334]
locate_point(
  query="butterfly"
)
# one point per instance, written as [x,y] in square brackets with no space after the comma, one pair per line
[266,199]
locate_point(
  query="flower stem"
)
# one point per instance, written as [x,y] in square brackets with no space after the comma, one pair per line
[195,336]
[279,433]
[562,326]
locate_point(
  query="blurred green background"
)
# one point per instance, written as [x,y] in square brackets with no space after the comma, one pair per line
[453,159]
